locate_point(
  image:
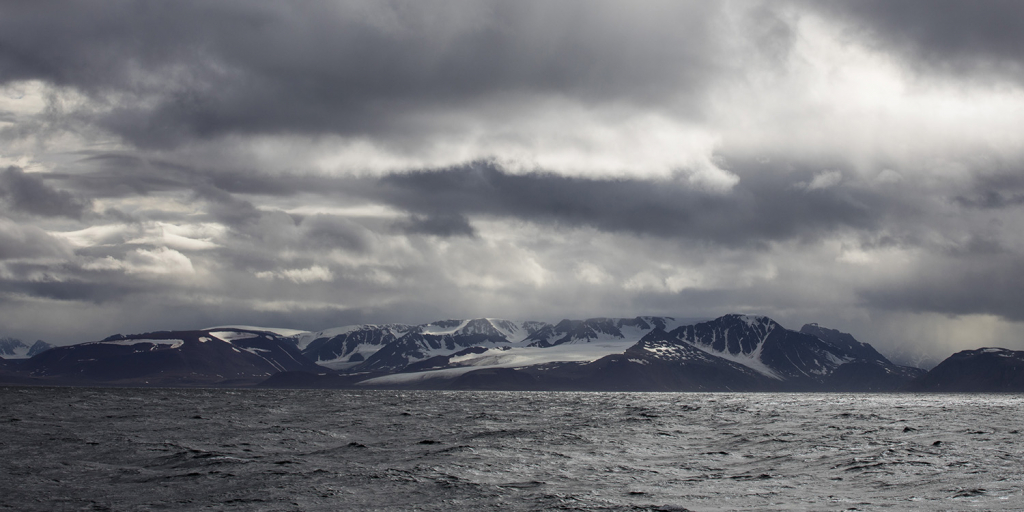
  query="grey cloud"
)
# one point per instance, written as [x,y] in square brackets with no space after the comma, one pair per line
[445,225]
[990,200]
[29,193]
[115,247]
[979,245]
[123,174]
[990,283]
[66,281]
[194,69]
[761,208]
[73,290]
[230,197]
[969,40]
[257,244]
[28,242]
[228,209]
[117,215]
[995,189]
[332,231]
[247,258]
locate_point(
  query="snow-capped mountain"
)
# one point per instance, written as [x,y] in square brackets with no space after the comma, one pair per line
[12,348]
[219,355]
[754,352]
[658,365]
[761,344]
[445,338]
[597,329]
[797,360]
[506,343]
[345,347]
[392,347]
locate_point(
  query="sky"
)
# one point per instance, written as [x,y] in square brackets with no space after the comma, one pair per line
[179,165]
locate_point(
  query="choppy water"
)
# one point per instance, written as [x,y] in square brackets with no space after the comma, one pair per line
[151,449]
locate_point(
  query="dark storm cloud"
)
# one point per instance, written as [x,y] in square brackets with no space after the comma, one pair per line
[1001,188]
[990,199]
[229,210]
[760,209]
[30,194]
[69,282]
[174,71]
[765,206]
[445,225]
[127,175]
[949,36]
[991,283]
[116,175]
[74,290]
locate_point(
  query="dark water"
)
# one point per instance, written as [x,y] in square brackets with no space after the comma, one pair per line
[148,449]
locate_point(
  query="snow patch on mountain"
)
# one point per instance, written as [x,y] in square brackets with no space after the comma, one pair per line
[514,357]
[408,378]
[511,357]
[515,332]
[304,339]
[280,331]
[751,360]
[444,327]
[230,336]
[345,362]
[746,345]
[136,341]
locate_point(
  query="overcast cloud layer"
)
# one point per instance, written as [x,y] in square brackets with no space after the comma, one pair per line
[172,165]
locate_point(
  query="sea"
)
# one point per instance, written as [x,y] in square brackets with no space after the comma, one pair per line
[64,449]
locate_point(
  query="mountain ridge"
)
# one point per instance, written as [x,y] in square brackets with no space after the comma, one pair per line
[733,352]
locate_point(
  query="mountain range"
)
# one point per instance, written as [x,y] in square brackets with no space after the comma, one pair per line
[730,353]
[223,356]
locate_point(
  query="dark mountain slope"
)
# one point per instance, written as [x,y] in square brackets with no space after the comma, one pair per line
[973,371]
[844,341]
[219,356]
